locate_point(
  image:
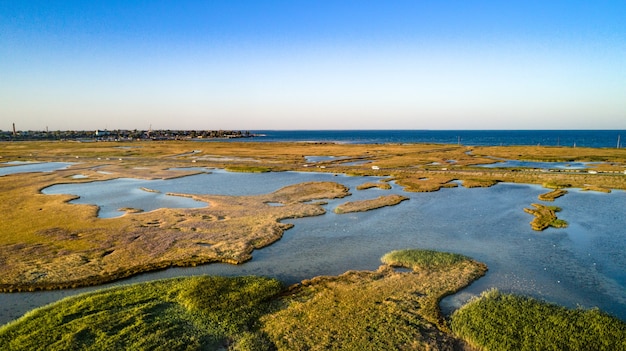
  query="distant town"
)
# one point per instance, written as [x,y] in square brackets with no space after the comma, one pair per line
[121,135]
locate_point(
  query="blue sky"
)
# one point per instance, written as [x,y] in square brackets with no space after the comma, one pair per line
[344,64]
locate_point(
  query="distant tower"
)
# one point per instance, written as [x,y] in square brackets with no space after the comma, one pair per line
[14,133]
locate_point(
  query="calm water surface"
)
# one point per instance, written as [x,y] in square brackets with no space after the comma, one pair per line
[27,167]
[582,265]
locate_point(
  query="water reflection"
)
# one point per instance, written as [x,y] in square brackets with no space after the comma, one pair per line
[582,265]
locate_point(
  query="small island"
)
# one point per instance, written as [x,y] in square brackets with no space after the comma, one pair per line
[366,205]
[554,194]
[545,216]
[370,185]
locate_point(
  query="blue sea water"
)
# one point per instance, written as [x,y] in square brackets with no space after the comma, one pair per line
[577,138]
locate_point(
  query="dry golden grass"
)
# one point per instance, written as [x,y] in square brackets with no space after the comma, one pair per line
[553,154]
[359,310]
[597,188]
[48,243]
[550,196]
[425,182]
[379,185]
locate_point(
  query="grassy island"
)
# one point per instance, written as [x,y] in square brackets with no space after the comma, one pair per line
[552,195]
[379,185]
[366,205]
[545,216]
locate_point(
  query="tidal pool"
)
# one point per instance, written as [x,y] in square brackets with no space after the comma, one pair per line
[540,165]
[28,167]
[582,265]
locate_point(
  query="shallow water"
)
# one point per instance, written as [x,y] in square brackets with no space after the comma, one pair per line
[540,165]
[582,265]
[28,167]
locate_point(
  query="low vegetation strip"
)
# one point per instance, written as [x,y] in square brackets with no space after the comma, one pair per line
[366,205]
[479,183]
[369,185]
[552,195]
[545,216]
[248,169]
[497,321]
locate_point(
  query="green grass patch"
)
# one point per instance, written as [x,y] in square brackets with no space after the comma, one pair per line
[417,258]
[248,169]
[545,216]
[497,321]
[174,314]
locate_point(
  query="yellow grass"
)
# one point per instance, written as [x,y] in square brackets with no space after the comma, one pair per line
[360,310]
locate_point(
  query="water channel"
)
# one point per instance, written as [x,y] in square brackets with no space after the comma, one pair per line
[582,265]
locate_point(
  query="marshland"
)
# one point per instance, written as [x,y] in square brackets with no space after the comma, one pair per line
[267,210]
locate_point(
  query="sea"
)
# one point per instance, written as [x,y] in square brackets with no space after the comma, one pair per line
[566,138]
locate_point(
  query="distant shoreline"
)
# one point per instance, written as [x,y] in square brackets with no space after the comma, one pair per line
[551,138]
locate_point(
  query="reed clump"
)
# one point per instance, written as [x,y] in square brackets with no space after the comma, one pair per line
[498,321]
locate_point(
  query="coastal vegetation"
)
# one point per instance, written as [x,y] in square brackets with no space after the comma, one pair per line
[41,249]
[497,321]
[362,310]
[597,188]
[422,183]
[248,169]
[554,194]
[479,183]
[370,185]
[366,205]
[192,313]
[57,253]
[366,310]
[545,216]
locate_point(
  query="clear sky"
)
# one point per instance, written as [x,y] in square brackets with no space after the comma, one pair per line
[316,64]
